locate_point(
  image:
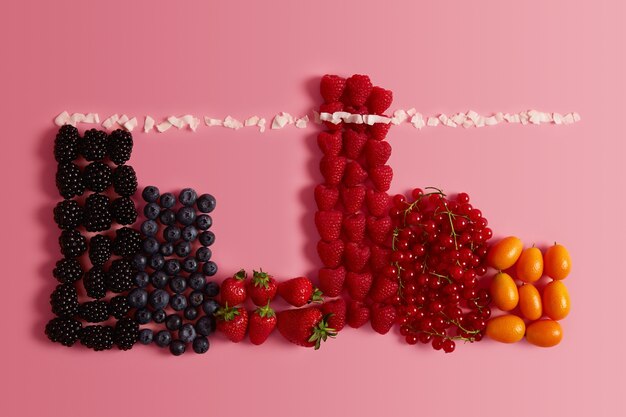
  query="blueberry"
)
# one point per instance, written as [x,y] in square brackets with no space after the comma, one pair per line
[142,279]
[190,313]
[167,200]
[186,216]
[178,302]
[140,261]
[163,338]
[146,335]
[167,249]
[206,203]
[196,281]
[190,265]
[178,284]
[143,316]
[150,194]
[159,279]
[187,196]
[207,238]
[204,222]
[159,299]
[196,298]
[156,261]
[190,233]
[212,289]
[173,322]
[150,246]
[187,333]
[209,268]
[171,267]
[151,211]
[137,298]
[177,347]
[200,344]
[167,217]
[149,228]
[158,316]
[182,249]
[210,307]
[171,233]
[203,254]
[205,325]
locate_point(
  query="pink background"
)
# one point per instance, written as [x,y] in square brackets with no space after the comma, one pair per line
[241,58]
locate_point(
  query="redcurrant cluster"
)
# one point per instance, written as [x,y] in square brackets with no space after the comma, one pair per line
[439,254]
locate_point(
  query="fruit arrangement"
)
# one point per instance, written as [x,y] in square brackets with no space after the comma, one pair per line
[418,263]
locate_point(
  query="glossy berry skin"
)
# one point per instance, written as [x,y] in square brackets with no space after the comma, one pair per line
[206,203]
[212,289]
[204,222]
[188,197]
[262,323]
[150,194]
[210,306]
[298,291]
[167,200]
[233,289]
[200,344]
[163,338]
[146,336]
[177,347]
[233,322]
[206,238]
[187,333]
[205,325]
[304,326]
[261,288]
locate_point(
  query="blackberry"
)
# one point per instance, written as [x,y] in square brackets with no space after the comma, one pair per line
[68,214]
[99,249]
[200,344]
[97,337]
[206,203]
[97,213]
[118,306]
[121,275]
[204,222]
[207,238]
[209,268]
[149,228]
[97,177]
[72,243]
[177,347]
[94,311]
[93,147]
[64,301]
[125,180]
[167,200]
[127,242]
[203,254]
[66,144]
[187,333]
[146,336]
[163,338]
[95,283]
[63,331]
[67,270]
[186,216]
[143,316]
[123,210]
[150,194]
[69,180]
[120,146]
[187,196]
[205,325]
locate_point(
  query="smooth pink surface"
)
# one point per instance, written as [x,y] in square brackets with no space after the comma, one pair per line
[240,58]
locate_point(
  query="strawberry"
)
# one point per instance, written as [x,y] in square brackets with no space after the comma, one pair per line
[353,198]
[262,323]
[299,291]
[379,100]
[379,229]
[380,257]
[358,284]
[377,152]
[354,226]
[354,174]
[261,288]
[233,289]
[356,256]
[331,87]
[331,280]
[382,289]
[378,131]
[336,312]
[305,326]
[332,108]
[382,317]
[329,143]
[332,168]
[358,88]
[326,196]
[328,224]
[233,322]
[381,177]
[353,143]
[357,314]
[378,202]
[330,253]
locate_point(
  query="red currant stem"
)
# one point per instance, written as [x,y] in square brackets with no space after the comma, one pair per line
[445,336]
[457,324]
[449,213]
[441,276]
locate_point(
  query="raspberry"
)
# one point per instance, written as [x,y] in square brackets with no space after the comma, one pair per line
[358,89]
[331,87]
[379,100]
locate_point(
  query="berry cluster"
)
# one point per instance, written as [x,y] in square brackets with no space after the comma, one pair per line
[353,220]
[95,163]
[439,253]
[173,262]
